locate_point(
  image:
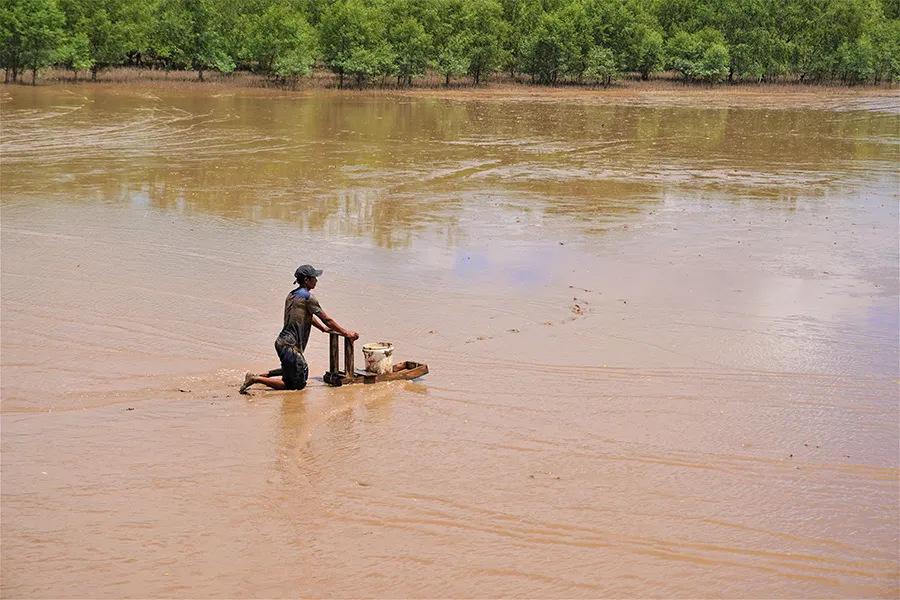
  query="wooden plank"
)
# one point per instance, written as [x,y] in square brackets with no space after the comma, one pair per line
[404,370]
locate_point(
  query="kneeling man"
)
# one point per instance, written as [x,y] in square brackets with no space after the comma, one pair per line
[301,312]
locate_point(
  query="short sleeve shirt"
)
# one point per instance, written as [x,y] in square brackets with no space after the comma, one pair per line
[299,308]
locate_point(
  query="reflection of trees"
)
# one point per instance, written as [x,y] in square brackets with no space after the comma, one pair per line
[387,167]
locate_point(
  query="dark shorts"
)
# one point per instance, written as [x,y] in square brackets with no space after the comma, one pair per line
[294,370]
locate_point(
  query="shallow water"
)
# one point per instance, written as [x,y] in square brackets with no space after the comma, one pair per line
[662,330]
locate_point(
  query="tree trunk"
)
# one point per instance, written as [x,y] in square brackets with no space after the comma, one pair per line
[199,74]
[341,79]
[74,76]
[34,76]
[94,74]
[6,75]
[447,79]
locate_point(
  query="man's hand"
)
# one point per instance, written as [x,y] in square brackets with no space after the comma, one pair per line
[352,335]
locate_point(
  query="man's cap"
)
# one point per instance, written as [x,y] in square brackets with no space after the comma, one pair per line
[306,271]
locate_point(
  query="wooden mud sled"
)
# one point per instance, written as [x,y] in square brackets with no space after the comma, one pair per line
[334,376]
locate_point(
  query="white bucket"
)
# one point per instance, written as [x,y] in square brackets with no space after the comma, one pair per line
[378,357]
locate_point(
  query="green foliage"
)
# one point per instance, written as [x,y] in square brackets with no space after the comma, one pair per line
[827,39]
[107,44]
[450,42]
[646,52]
[559,45]
[75,54]
[234,21]
[171,35]
[713,65]
[701,56]
[365,63]
[293,64]
[452,58]
[484,26]
[31,32]
[206,48]
[891,9]
[281,42]
[582,40]
[856,61]
[886,39]
[188,33]
[618,26]
[522,17]
[763,55]
[551,50]
[601,65]
[851,41]
[412,48]
[351,34]
[113,29]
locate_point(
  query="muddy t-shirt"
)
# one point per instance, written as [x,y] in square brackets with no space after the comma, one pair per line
[299,308]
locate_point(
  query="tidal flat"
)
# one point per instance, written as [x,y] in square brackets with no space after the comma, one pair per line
[662,330]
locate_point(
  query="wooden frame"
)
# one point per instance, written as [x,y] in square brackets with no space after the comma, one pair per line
[335,377]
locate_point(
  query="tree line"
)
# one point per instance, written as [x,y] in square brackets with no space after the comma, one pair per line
[542,41]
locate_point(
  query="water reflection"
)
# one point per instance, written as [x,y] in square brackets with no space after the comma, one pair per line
[318,428]
[387,168]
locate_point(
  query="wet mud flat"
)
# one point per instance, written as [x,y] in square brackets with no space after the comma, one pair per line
[662,336]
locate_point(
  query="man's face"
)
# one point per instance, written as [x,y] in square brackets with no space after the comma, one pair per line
[311,282]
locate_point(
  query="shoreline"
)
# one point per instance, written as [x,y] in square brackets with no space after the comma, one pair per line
[501,83]
[654,93]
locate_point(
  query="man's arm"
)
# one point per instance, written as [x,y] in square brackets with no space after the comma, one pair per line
[335,328]
[319,326]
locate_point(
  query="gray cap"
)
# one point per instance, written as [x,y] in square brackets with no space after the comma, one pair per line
[306,271]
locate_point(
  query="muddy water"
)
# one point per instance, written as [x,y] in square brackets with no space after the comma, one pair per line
[662,331]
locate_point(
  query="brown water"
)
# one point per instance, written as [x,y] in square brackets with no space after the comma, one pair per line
[662,331]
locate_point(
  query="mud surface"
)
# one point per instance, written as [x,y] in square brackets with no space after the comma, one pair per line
[662,331]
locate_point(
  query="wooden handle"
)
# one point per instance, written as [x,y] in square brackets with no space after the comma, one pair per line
[349,369]
[333,365]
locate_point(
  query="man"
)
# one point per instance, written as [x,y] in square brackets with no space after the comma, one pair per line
[301,313]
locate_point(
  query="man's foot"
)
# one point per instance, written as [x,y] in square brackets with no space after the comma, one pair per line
[249,379]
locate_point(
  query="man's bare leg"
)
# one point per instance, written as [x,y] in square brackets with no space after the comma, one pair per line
[251,378]
[275,384]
